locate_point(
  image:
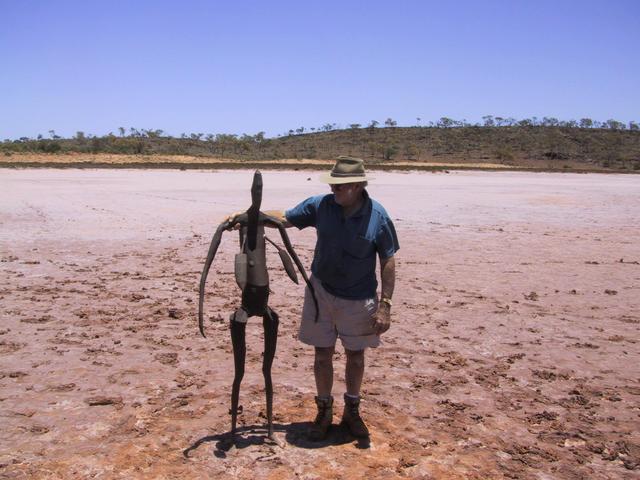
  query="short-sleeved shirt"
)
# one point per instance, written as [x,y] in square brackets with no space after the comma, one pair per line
[345,255]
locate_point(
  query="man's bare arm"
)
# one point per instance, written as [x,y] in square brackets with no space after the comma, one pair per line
[388,276]
[279,215]
[382,318]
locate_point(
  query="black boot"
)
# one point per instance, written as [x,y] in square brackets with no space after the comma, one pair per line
[318,431]
[351,417]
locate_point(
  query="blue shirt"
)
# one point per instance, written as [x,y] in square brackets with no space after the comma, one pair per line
[345,255]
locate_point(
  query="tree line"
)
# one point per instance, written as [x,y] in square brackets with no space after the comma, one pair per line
[488,121]
[610,143]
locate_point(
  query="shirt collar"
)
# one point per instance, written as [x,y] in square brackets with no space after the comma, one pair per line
[365,207]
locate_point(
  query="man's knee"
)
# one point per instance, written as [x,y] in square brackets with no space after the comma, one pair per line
[324,356]
[355,357]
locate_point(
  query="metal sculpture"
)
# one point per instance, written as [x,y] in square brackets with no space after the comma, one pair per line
[253,279]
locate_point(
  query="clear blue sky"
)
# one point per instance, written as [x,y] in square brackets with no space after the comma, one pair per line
[249,66]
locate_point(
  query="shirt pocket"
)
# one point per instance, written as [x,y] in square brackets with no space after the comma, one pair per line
[359,247]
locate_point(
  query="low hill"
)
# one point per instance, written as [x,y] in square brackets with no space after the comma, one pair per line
[537,147]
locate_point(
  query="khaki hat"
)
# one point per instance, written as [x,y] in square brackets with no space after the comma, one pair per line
[346,170]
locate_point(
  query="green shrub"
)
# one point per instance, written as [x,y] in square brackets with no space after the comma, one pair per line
[504,154]
[389,152]
[49,147]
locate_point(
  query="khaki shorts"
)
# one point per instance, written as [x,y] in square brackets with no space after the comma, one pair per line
[349,320]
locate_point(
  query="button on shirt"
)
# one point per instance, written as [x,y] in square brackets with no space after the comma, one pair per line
[345,255]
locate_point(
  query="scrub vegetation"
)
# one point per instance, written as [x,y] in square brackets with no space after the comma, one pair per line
[532,143]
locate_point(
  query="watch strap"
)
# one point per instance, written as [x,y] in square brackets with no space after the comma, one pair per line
[387,301]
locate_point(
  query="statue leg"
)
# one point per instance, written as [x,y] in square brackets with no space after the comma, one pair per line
[239,354]
[270,323]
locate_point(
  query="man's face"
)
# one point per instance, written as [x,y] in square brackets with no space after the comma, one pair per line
[347,194]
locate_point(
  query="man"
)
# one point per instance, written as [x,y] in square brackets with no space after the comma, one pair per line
[351,229]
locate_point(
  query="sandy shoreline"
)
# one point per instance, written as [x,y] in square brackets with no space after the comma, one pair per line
[188,162]
[513,352]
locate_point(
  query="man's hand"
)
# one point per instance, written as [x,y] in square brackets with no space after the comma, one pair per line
[231,218]
[382,318]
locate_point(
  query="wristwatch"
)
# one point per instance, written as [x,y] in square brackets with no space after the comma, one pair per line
[387,301]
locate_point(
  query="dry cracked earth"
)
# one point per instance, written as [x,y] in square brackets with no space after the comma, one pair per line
[513,351]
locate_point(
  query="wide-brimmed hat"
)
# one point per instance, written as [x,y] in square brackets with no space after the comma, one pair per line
[346,170]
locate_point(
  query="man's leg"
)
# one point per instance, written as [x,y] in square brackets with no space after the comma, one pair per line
[354,371]
[323,373]
[353,376]
[323,370]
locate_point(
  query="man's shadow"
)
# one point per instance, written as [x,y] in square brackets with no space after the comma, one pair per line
[295,434]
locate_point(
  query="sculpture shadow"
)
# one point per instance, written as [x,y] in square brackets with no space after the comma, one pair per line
[294,434]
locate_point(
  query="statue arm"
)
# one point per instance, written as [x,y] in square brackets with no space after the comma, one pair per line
[213,248]
[287,243]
